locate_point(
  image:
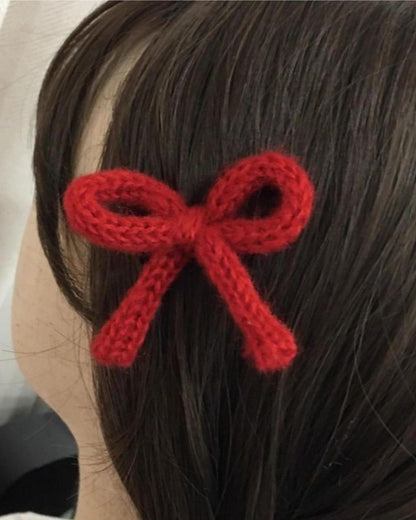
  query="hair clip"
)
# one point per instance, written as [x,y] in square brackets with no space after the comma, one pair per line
[212,233]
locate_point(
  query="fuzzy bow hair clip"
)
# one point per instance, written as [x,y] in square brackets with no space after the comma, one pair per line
[173,232]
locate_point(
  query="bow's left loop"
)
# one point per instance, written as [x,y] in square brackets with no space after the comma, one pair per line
[86,202]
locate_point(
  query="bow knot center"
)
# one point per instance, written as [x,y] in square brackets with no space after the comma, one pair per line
[190,225]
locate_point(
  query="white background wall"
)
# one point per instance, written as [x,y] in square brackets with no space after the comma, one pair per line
[30,34]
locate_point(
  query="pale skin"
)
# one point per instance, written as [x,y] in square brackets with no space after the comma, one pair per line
[52,347]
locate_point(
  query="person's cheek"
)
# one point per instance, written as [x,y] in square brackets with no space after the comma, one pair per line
[48,336]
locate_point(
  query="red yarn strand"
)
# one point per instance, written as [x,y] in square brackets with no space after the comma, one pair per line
[268,343]
[123,334]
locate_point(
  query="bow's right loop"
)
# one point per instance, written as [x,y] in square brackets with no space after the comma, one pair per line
[248,175]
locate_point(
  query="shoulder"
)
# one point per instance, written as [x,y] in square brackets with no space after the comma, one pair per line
[27,516]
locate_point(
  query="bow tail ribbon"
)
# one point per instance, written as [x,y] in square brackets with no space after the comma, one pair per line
[269,344]
[123,334]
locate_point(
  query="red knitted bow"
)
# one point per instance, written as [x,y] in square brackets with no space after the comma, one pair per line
[173,232]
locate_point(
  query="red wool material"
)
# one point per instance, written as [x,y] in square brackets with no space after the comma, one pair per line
[211,233]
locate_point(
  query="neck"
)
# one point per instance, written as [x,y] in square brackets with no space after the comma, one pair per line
[101,495]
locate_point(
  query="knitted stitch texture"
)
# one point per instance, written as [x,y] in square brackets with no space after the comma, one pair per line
[212,233]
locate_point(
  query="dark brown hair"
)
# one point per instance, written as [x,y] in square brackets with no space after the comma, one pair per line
[194,432]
